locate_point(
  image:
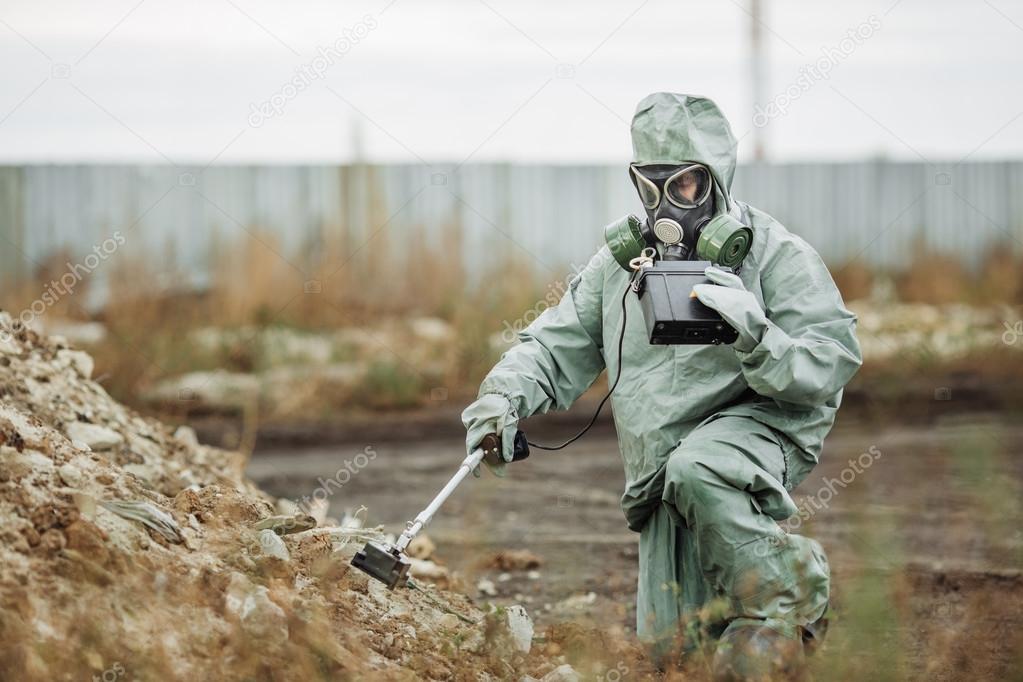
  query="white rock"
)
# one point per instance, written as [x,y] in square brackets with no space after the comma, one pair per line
[281,346]
[563,673]
[421,547]
[95,436]
[578,601]
[286,507]
[143,472]
[259,615]
[189,538]
[520,626]
[385,598]
[486,587]
[448,621]
[271,544]
[426,569]
[218,389]
[318,508]
[8,345]
[78,359]
[431,329]
[70,475]
[18,464]
[77,333]
[145,448]
[186,434]
[343,373]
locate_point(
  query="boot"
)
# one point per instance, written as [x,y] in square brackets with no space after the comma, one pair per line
[759,651]
[814,634]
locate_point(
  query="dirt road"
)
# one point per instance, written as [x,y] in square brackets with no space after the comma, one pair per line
[922,524]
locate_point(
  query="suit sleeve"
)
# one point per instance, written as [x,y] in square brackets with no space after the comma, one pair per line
[809,350]
[560,354]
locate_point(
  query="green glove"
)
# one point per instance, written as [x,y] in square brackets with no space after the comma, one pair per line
[740,308]
[492,413]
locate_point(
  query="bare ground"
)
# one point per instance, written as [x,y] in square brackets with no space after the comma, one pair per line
[925,542]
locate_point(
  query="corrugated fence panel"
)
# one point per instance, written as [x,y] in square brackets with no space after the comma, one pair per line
[13,262]
[547,216]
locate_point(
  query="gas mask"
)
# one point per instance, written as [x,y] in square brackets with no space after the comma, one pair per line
[680,207]
[679,202]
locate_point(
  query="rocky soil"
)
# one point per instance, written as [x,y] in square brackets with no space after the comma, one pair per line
[129,551]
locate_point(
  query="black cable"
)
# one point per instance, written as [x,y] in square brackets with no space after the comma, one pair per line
[621,340]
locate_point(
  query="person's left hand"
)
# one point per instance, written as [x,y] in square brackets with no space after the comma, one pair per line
[738,306]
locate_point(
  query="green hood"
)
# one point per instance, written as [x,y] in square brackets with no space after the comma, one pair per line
[670,128]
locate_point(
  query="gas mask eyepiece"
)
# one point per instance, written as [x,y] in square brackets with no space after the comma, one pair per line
[680,205]
[687,186]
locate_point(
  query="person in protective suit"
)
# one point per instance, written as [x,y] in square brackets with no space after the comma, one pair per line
[713,437]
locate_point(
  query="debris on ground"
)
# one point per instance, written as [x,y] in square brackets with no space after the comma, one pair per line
[424,569]
[291,371]
[486,587]
[421,547]
[127,543]
[520,627]
[513,560]
[286,524]
[563,673]
[146,513]
[575,603]
[271,545]
[888,329]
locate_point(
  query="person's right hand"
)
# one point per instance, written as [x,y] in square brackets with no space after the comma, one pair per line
[491,414]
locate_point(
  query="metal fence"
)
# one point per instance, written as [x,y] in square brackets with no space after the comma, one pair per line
[552,216]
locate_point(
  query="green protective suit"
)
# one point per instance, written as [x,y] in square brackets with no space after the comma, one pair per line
[713,437]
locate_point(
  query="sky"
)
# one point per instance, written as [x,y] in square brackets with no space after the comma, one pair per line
[258,81]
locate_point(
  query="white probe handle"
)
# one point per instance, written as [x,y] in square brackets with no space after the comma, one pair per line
[468,464]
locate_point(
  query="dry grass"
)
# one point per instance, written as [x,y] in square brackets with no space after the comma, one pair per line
[258,285]
[855,280]
[941,278]
[338,286]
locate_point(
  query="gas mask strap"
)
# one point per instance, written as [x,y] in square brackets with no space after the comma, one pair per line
[644,260]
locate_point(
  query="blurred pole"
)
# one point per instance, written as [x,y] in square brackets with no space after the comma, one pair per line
[357,136]
[757,70]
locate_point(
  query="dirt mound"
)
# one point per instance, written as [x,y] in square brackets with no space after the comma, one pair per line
[130,551]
